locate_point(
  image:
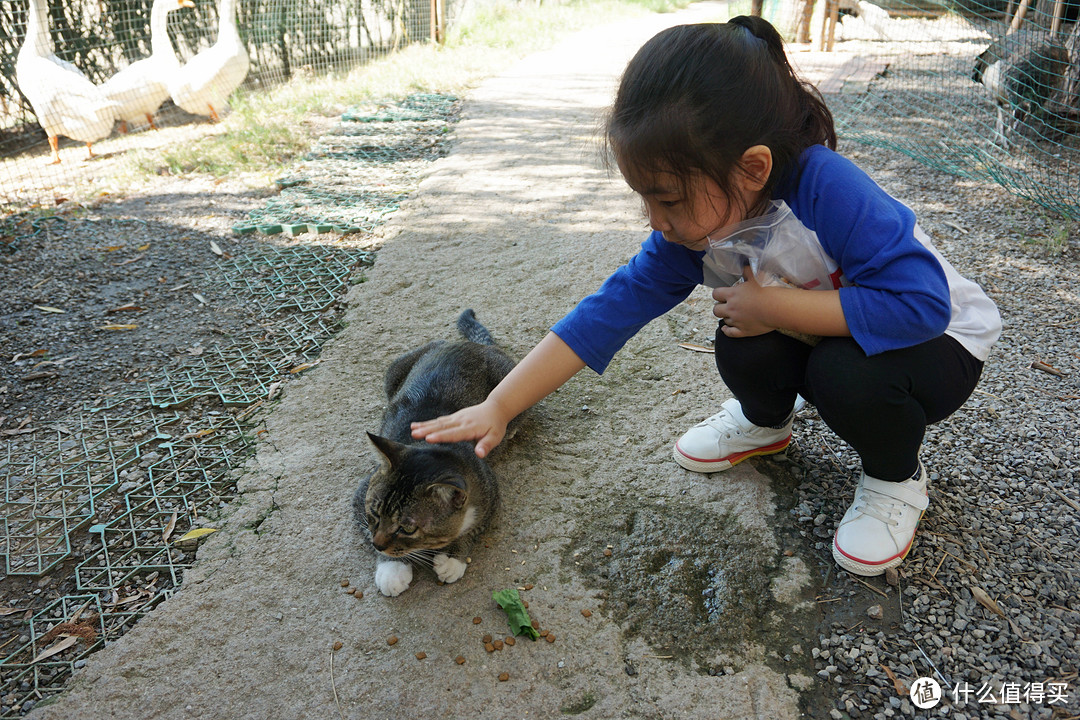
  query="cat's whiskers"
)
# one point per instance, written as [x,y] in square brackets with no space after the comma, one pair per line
[422,557]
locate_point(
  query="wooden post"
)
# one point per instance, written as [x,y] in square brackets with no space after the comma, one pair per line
[834,17]
[1018,18]
[433,25]
[824,25]
[802,31]
[440,25]
[1059,15]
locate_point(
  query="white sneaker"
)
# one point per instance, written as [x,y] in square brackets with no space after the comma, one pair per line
[728,438]
[879,527]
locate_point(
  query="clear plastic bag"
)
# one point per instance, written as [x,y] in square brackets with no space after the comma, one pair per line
[779,249]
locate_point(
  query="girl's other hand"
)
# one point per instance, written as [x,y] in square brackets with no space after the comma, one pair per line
[742,307]
[482,423]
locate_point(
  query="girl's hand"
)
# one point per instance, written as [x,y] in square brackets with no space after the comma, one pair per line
[742,307]
[483,423]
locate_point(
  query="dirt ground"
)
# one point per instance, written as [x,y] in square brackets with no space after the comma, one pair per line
[280,618]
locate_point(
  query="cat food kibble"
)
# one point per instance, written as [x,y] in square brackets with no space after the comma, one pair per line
[498,644]
[550,637]
[487,639]
[477,620]
[525,603]
[489,647]
[338,645]
[359,595]
[460,660]
[510,640]
[586,612]
[536,624]
[351,591]
[528,586]
[607,552]
[503,677]
[392,640]
[344,583]
[421,655]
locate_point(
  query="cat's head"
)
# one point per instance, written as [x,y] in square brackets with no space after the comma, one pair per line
[418,499]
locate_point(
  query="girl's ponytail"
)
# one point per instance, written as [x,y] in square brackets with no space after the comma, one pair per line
[819,118]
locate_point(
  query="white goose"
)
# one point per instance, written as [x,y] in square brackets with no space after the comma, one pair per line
[64,100]
[203,85]
[142,86]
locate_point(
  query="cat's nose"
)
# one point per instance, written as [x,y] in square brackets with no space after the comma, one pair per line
[381,541]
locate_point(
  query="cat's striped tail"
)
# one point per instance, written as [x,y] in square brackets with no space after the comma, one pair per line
[471,328]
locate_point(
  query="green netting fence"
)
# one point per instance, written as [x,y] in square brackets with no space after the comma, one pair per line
[981,89]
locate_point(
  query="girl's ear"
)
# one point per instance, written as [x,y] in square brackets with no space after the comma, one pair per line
[756,166]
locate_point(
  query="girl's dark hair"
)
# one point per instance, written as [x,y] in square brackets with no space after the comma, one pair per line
[695,97]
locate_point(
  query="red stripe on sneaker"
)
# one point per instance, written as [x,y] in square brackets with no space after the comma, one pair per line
[901,555]
[740,456]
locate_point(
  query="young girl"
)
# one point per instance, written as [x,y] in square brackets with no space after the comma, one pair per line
[711,127]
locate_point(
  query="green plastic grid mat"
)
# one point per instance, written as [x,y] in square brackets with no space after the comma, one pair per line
[100,502]
[101,464]
[359,173]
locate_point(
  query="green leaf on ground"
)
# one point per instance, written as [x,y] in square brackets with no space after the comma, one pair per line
[516,614]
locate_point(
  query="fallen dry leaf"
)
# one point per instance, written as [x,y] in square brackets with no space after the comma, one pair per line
[49,309]
[215,249]
[984,599]
[36,353]
[143,248]
[195,534]
[696,348]
[199,297]
[130,307]
[169,528]
[8,611]
[1046,368]
[900,687]
[59,647]
[126,326]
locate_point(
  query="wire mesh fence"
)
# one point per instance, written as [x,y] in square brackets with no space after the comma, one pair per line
[98,508]
[980,89]
[75,72]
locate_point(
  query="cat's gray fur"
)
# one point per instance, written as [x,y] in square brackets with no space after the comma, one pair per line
[442,490]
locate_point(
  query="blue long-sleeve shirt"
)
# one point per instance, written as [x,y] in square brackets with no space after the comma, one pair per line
[903,292]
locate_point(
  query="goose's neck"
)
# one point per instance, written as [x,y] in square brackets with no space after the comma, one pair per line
[227,19]
[159,30]
[37,39]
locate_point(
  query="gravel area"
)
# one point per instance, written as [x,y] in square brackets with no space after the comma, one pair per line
[1004,515]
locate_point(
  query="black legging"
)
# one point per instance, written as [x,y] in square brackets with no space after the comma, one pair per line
[880,405]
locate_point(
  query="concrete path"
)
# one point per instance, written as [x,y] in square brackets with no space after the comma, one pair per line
[519,222]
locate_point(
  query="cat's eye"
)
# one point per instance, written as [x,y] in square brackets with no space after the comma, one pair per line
[407,529]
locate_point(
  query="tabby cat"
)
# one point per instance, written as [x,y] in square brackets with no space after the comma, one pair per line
[426,503]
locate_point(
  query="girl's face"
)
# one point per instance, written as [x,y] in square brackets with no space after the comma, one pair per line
[688,213]
[687,216]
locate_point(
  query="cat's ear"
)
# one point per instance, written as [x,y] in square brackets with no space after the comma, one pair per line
[450,491]
[388,450]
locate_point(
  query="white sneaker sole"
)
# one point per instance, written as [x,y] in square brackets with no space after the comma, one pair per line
[711,466]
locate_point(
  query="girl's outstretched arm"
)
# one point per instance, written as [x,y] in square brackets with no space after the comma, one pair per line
[543,371]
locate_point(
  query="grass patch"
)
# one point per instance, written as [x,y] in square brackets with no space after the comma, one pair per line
[269,130]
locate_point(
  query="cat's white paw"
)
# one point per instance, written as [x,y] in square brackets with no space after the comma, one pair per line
[447,568]
[392,577]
